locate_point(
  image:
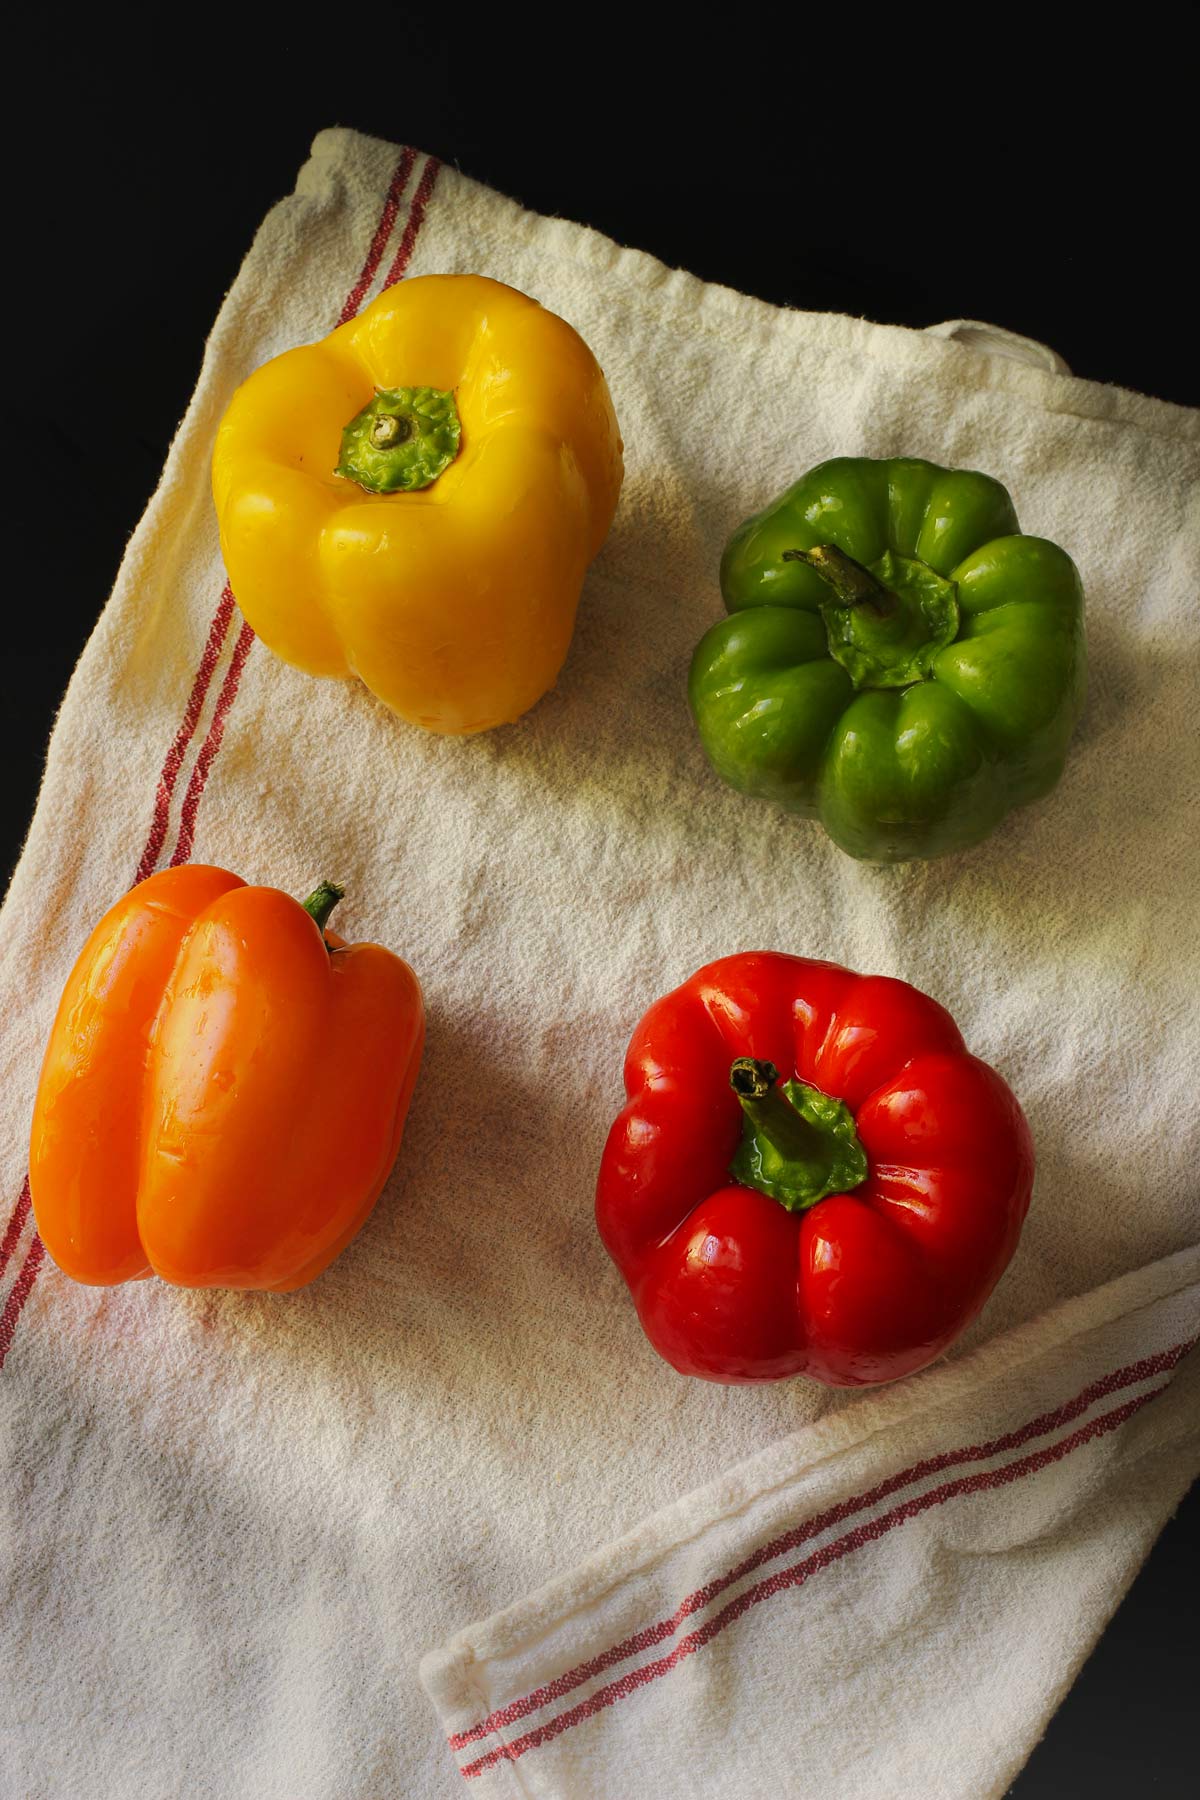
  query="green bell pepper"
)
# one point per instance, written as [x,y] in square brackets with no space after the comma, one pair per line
[899,661]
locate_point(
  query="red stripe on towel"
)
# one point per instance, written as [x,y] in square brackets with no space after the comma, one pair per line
[183,737]
[383,232]
[416,218]
[221,618]
[798,1573]
[16,1225]
[210,746]
[214,644]
[19,1295]
[790,1540]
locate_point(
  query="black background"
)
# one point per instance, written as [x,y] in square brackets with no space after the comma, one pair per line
[826,165]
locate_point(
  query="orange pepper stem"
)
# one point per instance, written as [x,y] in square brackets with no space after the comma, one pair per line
[321,902]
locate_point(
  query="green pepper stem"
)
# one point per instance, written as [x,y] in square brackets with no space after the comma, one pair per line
[852,584]
[321,902]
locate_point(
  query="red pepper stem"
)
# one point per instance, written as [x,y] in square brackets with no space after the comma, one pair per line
[798,1144]
[852,584]
[774,1117]
[321,902]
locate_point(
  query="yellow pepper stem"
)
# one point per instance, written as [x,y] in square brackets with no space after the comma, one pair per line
[401,441]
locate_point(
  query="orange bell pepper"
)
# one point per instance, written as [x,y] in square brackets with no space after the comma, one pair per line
[224,1089]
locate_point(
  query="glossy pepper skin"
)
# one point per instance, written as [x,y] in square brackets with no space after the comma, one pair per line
[224,1089]
[733,1283]
[899,662]
[452,598]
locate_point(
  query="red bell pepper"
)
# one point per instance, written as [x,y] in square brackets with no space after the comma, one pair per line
[811,1177]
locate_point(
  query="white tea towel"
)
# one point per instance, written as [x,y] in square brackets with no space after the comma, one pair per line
[235,1523]
[768,1634]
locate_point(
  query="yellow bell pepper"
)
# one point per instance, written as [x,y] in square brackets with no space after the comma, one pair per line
[415,499]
